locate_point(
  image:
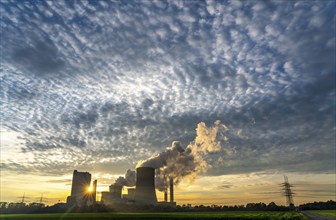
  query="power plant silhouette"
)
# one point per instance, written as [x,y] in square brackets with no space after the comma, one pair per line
[81,192]
[143,193]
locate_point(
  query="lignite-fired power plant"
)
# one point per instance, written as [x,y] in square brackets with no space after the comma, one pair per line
[143,193]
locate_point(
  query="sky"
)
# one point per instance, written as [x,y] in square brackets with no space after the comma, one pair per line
[99,85]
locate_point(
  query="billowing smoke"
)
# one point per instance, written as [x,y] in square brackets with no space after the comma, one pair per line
[179,162]
[128,180]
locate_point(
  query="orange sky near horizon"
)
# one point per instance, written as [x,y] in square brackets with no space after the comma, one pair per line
[206,190]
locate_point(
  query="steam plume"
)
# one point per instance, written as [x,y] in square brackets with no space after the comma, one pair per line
[179,162]
[128,180]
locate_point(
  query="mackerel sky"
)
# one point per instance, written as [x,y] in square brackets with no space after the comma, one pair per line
[100,85]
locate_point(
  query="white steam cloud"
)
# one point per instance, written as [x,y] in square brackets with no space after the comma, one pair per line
[179,162]
[128,180]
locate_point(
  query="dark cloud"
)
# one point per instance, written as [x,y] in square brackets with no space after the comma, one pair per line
[40,59]
[138,79]
[225,185]
[65,181]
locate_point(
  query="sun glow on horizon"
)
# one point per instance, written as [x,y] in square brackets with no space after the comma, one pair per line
[226,190]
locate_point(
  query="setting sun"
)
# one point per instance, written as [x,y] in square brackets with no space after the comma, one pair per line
[89,189]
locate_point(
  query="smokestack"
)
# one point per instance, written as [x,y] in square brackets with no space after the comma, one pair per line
[171,185]
[165,196]
[145,186]
[94,191]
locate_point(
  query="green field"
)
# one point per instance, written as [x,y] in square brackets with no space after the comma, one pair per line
[328,213]
[161,215]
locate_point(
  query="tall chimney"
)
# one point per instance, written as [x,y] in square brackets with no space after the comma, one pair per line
[94,191]
[166,195]
[145,186]
[171,184]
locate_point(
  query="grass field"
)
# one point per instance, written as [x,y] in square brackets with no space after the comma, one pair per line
[328,213]
[160,215]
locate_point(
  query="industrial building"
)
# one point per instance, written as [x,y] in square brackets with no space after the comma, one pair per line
[112,196]
[144,192]
[81,192]
[130,195]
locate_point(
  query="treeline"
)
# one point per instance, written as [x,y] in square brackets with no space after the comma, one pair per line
[6,208]
[23,208]
[20,207]
[199,208]
[249,207]
[62,208]
[329,205]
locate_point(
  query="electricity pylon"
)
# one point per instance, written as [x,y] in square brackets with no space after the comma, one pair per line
[287,192]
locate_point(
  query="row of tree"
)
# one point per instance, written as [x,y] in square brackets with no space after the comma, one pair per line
[329,205]
[62,207]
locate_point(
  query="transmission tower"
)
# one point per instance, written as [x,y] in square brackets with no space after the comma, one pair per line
[41,199]
[23,198]
[287,192]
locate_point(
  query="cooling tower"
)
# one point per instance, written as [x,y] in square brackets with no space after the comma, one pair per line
[145,186]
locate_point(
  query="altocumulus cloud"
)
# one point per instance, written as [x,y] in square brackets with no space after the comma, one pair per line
[105,84]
